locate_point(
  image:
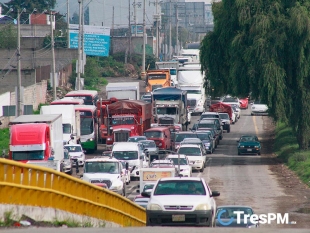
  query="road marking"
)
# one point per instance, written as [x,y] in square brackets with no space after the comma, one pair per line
[255,126]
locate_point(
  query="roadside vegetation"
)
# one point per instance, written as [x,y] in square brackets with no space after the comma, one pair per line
[4,141]
[287,149]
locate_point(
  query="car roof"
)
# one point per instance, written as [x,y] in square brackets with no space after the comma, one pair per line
[176,156]
[212,113]
[73,145]
[181,178]
[190,145]
[146,140]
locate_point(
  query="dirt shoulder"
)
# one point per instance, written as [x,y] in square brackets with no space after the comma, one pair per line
[296,202]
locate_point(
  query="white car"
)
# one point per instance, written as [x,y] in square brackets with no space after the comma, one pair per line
[185,167]
[107,172]
[181,201]
[231,100]
[195,156]
[258,108]
[76,153]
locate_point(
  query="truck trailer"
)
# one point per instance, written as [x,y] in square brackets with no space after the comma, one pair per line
[123,90]
[37,140]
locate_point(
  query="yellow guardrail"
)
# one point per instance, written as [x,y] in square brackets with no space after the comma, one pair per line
[31,185]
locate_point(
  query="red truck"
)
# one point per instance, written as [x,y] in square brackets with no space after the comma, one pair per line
[124,119]
[221,107]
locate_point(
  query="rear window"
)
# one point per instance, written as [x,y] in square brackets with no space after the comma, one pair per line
[180,137]
[204,116]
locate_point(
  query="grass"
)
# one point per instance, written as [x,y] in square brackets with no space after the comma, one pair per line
[4,141]
[287,149]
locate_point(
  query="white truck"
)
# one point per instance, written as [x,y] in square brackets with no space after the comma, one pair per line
[70,121]
[172,66]
[191,80]
[192,53]
[107,173]
[149,176]
[123,90]
[37,140]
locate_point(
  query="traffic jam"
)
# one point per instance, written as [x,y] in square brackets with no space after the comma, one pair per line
[150,139]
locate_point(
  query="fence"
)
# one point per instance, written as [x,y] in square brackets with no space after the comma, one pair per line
[24,184]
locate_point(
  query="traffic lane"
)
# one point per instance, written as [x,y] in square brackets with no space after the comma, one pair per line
[243,180]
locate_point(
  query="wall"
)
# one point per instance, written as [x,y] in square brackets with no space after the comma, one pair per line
[120,44]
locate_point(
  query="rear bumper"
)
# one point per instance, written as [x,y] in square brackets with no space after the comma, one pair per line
[193,218]
[248,150]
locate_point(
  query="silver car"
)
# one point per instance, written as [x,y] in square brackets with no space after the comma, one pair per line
[150,145]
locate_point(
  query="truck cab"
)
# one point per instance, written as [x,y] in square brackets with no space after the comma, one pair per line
[107,172]
[157,79]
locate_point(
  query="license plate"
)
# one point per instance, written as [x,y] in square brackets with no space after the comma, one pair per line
[178,218]
[249,149]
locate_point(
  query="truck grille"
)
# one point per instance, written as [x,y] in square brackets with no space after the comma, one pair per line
[156,86]
[166,121]
[121,136]
[101,181]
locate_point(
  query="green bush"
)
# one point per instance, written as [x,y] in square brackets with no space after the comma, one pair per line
[4,141]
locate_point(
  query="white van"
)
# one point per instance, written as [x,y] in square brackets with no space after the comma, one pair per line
[133,153]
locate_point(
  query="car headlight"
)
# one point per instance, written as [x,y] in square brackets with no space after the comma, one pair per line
[203,207]
[90,140]
[153,207]
[198,161]
[241,146]
[109,139]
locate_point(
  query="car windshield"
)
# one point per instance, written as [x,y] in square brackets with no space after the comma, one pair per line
[181,137]
[224,116]
[153,134]
[123,121]
[74,148]
[183,161]
[148,186]
[125,155]
[149,144]
[229,212]
[102,167]
[247,139]
[206,125]
[206,116]
[204,136]
[136,139]
[190,151]
[179,187]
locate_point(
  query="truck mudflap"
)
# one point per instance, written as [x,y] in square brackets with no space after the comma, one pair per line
[52,164]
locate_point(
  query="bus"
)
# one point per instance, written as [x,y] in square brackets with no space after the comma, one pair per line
[68,101]
[89,132]
[90,97]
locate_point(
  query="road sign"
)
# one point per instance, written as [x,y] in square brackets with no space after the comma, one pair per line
[96,39]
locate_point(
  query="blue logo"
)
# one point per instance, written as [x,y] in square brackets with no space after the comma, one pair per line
[224,223]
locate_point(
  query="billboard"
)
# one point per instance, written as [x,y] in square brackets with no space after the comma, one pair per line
[96,39]
[139,29]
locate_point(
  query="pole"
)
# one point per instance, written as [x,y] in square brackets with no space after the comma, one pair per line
[79,50]
[112,31]
[157,33]
[82,39]
[53,57]
[170,43]
[135,16]
[68,25]
[129,30]
[144,41]
[19,78]
[177,29]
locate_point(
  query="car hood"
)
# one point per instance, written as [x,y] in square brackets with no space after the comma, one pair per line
[192,158]
[91,176]
[179,200]
[75,153]
[183,167]
[234,223]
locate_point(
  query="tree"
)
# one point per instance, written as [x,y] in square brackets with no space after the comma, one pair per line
[263,47]
[29,5]
[8,36]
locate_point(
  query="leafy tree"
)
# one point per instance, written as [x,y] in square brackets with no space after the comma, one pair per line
[29,5]
[8,36]
[263,47]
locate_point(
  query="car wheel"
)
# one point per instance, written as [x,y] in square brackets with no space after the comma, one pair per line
[252,114]
[202,169]
[127,183]
[258,153]
[239,153]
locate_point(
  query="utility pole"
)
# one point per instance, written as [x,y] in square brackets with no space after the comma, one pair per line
[177,29]
[68,24]
[135,16]
[170,44]
[53,57]
[129,31]
[157,30]
[19,109]
[82,40]
[143,74]
[112,30]
[79,49]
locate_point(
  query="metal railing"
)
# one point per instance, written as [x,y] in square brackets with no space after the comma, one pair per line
[30,185]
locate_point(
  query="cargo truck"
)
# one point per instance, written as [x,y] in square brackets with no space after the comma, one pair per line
[172,66]
[123,90]
[191,80]
[70,121]
[157,79]
[170,106]
[127,118]
[37,140]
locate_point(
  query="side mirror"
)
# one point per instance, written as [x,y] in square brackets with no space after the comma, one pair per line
[144,194]
[215,194]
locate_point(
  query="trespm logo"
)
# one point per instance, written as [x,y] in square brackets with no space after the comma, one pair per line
[253,219]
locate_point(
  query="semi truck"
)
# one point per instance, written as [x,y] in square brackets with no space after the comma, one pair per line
[191,80]
[170,107]
[126,118]
[157,79]
[70,121]
[37,140]
[123,90]
[172,66]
